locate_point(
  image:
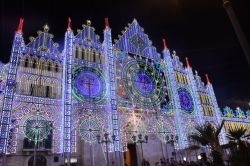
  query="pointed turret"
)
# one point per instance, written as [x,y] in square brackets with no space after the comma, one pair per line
[134,21]
[207,78]
[46,28]
[107,22]
[187,63]
[20,26]
[165,51]
[164,44]
[69,24]
[196,73]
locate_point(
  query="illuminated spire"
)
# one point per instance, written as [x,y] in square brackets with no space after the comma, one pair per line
[174,52]
[88,23]
[20,26]
[69,24]
[207,78]
[46,28]
[187,63]
[164,43]
[196,72]
[135,21]
[107,22]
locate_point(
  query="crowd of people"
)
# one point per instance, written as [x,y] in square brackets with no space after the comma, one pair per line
[172,162]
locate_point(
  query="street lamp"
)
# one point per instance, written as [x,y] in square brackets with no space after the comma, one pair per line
[106,140]
[174,139]
[199,157]
[237,28]
[140,140]
[166,140]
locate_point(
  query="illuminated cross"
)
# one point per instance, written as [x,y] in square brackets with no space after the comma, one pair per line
[89,83]
[143,80]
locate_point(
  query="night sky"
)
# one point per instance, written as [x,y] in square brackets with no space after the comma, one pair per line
[198,29]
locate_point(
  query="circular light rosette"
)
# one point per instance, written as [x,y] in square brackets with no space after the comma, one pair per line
[37,128]
[186,100]
[88,84]
[89,128]
[144,83]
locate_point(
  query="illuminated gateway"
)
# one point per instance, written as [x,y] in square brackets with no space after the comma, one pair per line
[126,89]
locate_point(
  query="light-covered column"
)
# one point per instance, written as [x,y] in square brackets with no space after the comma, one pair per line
[67,76]
[110,60]
[174,98]
[191,80]
[17,46]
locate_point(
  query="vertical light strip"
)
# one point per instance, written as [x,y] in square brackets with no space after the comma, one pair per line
[67,90]
[197,103]
[169,72]
[111,69]
[9,92]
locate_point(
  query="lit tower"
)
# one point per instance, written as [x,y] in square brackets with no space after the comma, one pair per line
[194,88]
[67,90]
[16,51]
[169,72]
[218,114]
[108,51]
[237,28]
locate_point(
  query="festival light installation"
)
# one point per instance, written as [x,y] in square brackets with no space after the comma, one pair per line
[122,88]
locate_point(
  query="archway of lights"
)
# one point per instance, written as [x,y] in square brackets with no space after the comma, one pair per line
[133,123]
[23,111]
[165,130]
[88,123]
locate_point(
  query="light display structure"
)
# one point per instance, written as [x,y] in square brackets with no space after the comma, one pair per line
[94,87]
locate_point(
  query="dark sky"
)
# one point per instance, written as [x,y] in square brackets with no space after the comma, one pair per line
[199,29]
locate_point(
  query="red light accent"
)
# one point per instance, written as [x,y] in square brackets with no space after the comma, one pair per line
[20,26]
[164,43]
[207,78]
[69,24]
[107,22]
[187,63]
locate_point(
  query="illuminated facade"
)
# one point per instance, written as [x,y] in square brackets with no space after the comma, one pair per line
[123,88]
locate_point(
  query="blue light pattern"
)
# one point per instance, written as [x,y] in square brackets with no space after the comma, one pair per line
[149,83]
[186,100]
[88,84]
[143,82]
